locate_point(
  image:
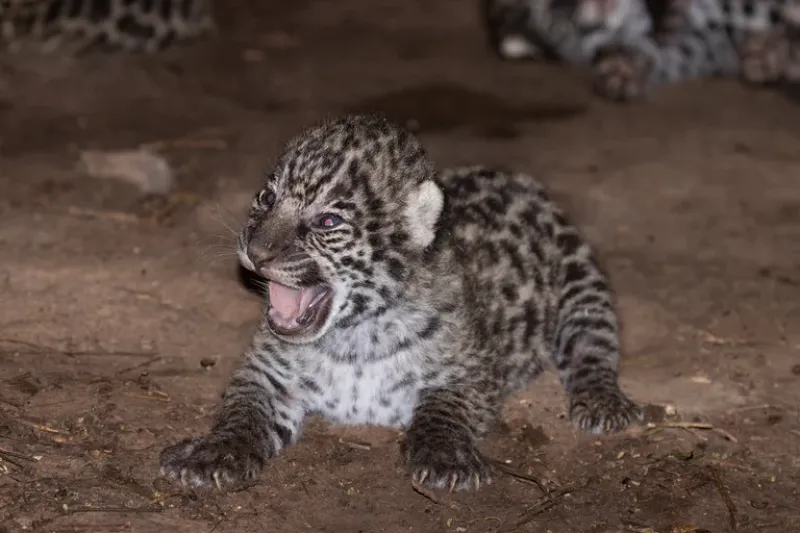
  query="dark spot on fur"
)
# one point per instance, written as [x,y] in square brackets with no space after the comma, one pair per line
[385,292]
[431,328]
[311,385]
[495,205]
[302,230]
[311,275]
[575,272]
[396,268]
[344,206]
[359,304]
[375,240]
[568,242]
[398,239]
[132,26]
[510,292]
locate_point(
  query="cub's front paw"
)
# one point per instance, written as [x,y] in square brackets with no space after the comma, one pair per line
[605,409]
[449,462]
[621,73]
[211,461]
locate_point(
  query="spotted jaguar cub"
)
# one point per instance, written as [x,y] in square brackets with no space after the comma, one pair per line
[405,297]
[135,25]
[635,46]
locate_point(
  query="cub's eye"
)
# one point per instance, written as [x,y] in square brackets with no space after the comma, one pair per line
[328,221]
[266,198]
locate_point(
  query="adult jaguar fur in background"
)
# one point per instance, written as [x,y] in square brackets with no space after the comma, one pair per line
[136,25]
[406,297]
[635,46]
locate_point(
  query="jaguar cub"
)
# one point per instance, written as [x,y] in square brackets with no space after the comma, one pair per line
[134,25]
[406,297]
[637,46]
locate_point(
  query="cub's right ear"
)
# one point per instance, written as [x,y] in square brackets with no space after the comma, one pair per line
[423,209]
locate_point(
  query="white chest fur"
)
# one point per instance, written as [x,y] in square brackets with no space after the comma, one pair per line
[369,378]
[382,393]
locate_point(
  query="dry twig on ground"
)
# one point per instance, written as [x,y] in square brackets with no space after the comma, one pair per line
[519,476]
[655,428]
[419,489]
[726,496]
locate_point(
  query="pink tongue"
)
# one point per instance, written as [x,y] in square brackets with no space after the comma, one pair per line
[285,300]
[288,305]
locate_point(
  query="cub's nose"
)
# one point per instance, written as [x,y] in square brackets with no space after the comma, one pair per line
[261,255]
[264,257]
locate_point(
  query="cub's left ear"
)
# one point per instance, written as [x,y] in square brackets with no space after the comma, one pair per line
[423,209]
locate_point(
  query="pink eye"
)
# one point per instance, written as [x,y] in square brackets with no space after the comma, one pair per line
[329,221]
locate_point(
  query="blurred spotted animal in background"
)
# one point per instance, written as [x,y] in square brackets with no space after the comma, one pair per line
[634,46]
[134,25]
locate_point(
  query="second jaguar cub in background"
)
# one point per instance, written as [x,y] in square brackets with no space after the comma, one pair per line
[406,297]
[636,46]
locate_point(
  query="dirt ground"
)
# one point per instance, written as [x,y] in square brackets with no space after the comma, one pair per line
[122,316]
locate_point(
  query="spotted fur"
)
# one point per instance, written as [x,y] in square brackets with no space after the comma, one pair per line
[135,25]
[635,46]
[451,290]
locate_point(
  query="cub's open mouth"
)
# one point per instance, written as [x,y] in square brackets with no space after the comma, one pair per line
[298,311]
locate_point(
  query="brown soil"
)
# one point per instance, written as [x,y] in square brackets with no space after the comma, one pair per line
[122,317]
